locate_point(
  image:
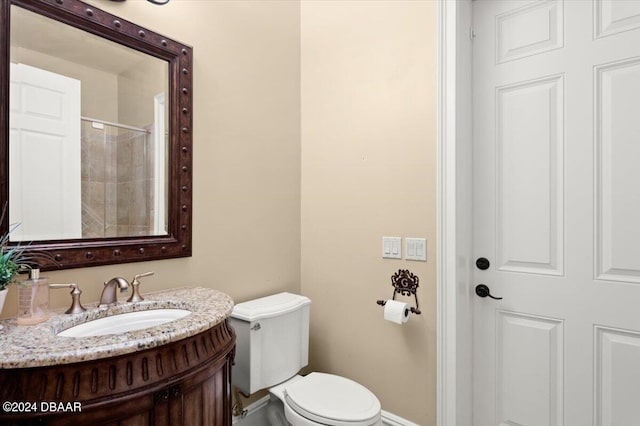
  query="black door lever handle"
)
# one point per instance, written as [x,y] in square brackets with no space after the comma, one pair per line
[483,291]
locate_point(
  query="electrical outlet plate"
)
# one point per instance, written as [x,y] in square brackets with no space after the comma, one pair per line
[392,247]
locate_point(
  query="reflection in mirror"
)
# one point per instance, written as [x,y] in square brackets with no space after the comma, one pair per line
[88,139]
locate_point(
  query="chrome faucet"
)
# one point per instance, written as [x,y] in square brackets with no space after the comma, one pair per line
[109,296]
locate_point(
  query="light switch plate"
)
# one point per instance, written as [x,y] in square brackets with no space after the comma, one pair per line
[392,247]
[415,249]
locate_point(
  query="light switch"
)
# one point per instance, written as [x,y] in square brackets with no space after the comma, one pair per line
[411,249]
[392,247]
[416,249]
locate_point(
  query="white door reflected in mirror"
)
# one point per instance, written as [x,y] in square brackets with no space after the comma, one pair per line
[44,155]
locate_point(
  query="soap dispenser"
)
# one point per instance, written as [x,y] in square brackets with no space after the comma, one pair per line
[33,298]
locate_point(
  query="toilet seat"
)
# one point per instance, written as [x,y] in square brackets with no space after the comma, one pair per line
[332,400]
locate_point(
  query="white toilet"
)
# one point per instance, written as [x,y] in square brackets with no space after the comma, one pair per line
[272,345]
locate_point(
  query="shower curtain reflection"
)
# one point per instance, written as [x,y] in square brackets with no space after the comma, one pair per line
[117,180]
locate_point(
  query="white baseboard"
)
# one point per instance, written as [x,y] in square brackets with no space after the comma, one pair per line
[256,408]
[390,419]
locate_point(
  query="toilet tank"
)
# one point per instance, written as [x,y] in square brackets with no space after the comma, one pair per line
[272,340]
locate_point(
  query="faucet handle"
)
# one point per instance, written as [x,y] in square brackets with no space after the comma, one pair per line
[135,284]
[76,306]
[145,274]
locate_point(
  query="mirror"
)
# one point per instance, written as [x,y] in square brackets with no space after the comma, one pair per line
[87,134]
[95,135]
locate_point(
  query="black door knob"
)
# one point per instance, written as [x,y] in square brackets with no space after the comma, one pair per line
[483,291]
[483,263]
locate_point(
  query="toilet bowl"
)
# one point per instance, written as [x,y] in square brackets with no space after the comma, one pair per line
[325,399]
[272,346]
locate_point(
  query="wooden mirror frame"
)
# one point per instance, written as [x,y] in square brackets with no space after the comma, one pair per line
[78,253]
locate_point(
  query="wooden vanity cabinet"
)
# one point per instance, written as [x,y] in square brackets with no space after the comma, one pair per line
[187,382]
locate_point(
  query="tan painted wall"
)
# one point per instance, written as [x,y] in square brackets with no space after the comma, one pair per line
[246,150]
[363,91]
[137,88]
[368,170]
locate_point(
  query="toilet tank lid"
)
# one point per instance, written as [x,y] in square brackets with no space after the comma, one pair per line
[269,306]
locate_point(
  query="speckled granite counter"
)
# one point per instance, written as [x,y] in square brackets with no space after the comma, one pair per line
[38,345]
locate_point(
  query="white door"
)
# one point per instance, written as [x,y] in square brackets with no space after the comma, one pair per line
[44,152]
[557,212]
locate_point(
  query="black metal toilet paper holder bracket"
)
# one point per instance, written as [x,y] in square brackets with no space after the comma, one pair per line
[404,283]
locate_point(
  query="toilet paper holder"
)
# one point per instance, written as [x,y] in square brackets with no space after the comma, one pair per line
[405,283]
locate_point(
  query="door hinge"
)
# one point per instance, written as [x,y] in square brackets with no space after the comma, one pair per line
[472,33]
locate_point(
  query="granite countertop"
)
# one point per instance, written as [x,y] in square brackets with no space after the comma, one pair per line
[38,345]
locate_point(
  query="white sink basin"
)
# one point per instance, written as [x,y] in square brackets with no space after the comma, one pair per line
[121,323]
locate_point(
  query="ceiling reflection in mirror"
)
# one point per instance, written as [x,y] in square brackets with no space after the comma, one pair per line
[88,120]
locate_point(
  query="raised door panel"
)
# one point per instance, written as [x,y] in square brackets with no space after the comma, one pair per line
[529,30]
[529,189]
[617,353]
[617,128]
[615,16]
[530,364]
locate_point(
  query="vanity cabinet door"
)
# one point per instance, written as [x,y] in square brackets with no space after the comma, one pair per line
[201,400]
[206,398]
[167,409]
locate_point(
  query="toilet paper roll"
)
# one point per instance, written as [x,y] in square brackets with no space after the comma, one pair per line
[397,312]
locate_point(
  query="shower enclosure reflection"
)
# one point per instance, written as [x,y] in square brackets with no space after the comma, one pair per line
[117,180]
